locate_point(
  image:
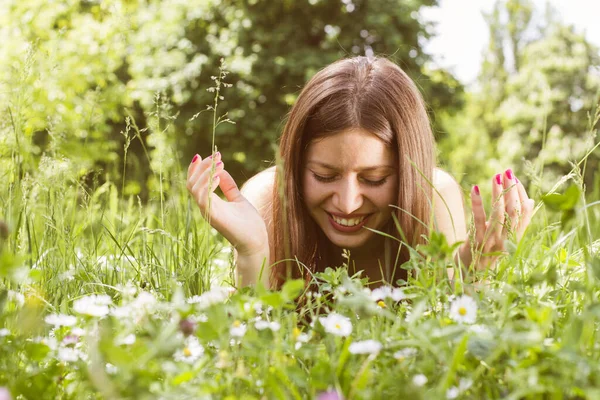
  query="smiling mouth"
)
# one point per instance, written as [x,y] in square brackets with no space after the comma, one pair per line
[348,225]
[349,222]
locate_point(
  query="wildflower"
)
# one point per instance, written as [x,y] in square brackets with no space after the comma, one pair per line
[4,332]
[384,292]
[111,369]
[452,393]
[381,304]
[480,330]
[68,354]
[70,340]
[336,324]
[16,298]
[214,296]
[419,380]
[465,384]
[262,324]
[365,347]
[4,394]
[463,310]
[192,351]
[330,395]
[238,329]
[403,354]
[187,326]
[127,340]
[60,320]
[93,305]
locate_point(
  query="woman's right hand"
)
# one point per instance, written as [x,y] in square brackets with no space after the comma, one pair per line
[236,219]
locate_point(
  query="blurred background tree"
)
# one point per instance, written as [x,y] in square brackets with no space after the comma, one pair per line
[121,84]
[530,111]
[92,64]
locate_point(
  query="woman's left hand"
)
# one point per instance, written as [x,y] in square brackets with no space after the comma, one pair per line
[511,213]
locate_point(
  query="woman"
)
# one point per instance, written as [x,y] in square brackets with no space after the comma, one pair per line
[357,149]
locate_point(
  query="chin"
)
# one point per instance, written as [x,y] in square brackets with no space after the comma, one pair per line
[348,243]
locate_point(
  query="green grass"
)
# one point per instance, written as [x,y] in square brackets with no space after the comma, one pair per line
[535,336]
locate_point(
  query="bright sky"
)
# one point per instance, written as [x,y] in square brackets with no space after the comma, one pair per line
[462,33]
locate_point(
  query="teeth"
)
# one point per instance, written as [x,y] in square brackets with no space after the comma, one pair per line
[348,222]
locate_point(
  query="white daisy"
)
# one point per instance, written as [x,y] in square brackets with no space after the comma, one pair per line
[452,393]
[16,297]
[93,305]
[192,351]
[127,340]
[238,329]
[365,347]
[384,292]
[463,310]
[4,332]
[336,324]
[419,380]
[60,320]
[214,296]
[68,354]
[262,324]
[405,353]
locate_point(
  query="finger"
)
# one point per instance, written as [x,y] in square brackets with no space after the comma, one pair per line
[511,201]
[479,217]
[193,166]
[229,187]
[201,167]
[523,196]
[201,186]
[496,222]
[528,206]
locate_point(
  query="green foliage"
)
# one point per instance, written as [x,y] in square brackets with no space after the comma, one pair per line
[72,74]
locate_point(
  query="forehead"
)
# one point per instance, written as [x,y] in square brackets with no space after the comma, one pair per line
[350,149]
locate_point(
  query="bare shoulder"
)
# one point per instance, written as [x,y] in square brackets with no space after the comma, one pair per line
[259,190]
[448,210]
[443,181]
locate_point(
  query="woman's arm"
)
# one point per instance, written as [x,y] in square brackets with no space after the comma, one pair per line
[258,190]
[448,210]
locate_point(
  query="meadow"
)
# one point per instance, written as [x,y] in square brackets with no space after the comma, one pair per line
[104,296]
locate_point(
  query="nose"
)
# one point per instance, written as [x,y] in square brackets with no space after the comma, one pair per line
[348,198]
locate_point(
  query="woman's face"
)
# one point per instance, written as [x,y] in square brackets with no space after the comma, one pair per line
[349,181]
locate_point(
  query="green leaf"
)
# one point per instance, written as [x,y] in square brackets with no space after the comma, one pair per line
[292,289]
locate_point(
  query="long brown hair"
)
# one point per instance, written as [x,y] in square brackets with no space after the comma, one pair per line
[372,94]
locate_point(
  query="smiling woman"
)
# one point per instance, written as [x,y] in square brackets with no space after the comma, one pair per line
[357,153]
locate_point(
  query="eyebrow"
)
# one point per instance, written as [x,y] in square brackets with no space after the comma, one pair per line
[332,167]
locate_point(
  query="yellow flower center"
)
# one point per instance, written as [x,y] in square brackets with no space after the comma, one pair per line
[296,332]
[381,304]
[236,323]
[187,352]
[337,326]
[462,311]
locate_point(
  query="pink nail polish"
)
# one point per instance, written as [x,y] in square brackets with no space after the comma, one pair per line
[476,190]
[219,163]
[517,179]
[195,158]
[499,179]
[509,174]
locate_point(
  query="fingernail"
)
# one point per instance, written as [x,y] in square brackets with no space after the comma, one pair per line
[219,163]
[499,179]
[517,179]
[509,174]
[476,190]
[195,158]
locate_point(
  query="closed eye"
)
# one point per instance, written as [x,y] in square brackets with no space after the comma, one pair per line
[366,181]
